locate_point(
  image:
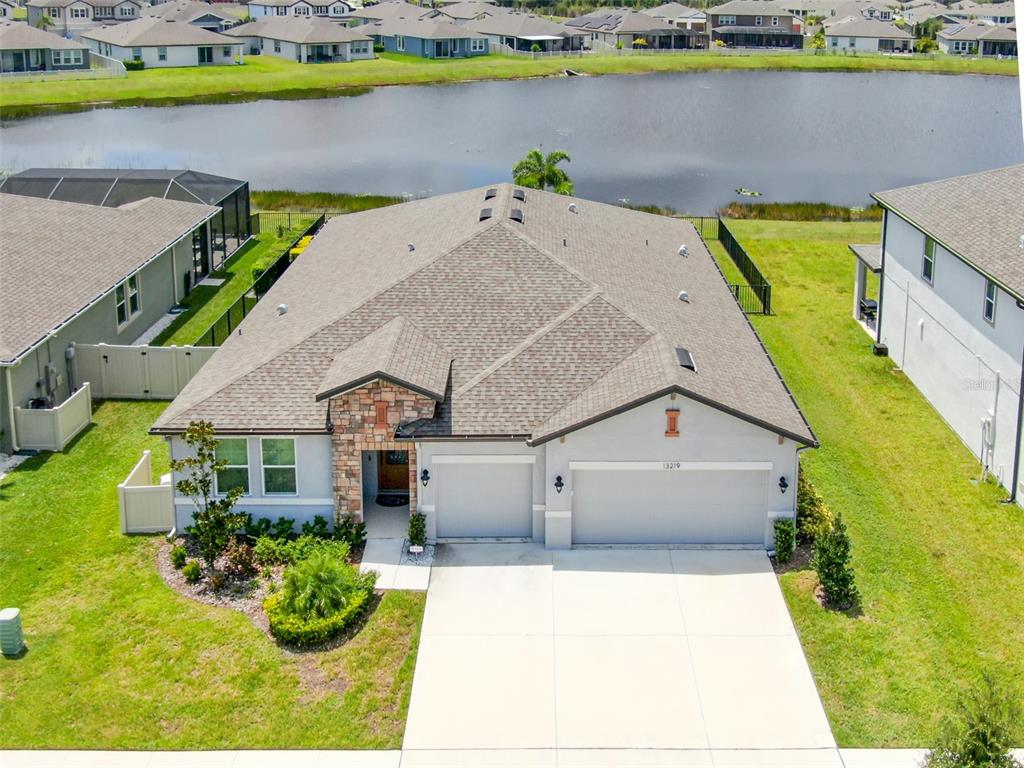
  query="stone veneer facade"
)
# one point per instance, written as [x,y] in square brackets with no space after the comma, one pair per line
[356,430]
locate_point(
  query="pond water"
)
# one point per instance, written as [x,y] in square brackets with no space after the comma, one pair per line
[687,140]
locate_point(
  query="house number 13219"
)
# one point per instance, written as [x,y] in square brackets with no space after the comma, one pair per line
[671,465]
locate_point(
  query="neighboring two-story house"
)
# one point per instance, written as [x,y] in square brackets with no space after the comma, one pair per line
[755,24]
[609,28]
[332,9]
[70,18]
[951,306]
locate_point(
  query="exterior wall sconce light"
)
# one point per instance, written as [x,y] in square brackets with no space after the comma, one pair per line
[425,477]
[329,423]
[559,485]
[783,485]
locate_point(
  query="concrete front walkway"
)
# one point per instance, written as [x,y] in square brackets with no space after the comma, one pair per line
[684,651]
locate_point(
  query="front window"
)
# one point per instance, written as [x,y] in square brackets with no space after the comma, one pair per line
[476,46]
[278,465]
[989,310]
[161,54]
[400,42]
[775,21]
[758,20]
[227,51]
[127,10]
[853,42]
[127,300]
[79,13]
[301,10]
[928,265]
[136,54]
[727,21]
[281,10]
[234,452]
[277,46]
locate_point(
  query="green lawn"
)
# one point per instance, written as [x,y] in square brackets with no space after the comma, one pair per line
[267,76]
[118,660]
[939,562]
[207,303]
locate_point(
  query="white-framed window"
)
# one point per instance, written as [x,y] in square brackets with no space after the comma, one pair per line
[136,54]
[277,46]
[853,42]
[988,310]
[301,10]
[126,10]
[79,13]
[127,300]
[161,54]
[758,21]
[360,47]
[226,52]
[278,459]
[54,13]
[727,21]
[281,10]
[65,58]
[775,21]
[477,46]
[928,262]
[835,42]
[400,42]
[234,451]
[337,9]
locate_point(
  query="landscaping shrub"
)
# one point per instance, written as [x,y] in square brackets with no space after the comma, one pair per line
[318,528]
[378,48]
[134,66]
[270,551]
[256,528]
[785,539]
[218,580]
[351,532]
[179,555]
[192,571]
[831,561]
[283,528]
[813,518]
[295,630]
[981,731]
[241,560]
[417,529]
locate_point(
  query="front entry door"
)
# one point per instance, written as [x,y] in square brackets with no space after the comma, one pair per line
[393,474]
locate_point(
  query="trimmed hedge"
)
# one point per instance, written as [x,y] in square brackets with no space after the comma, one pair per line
[295,630]
[785,539]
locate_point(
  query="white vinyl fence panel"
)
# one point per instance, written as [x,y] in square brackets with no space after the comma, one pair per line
[50,429]
[138,372]
[144,507]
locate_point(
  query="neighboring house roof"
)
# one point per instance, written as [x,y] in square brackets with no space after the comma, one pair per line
[979,32]
[426,29]
[57,258]
[749,8]
[443,3]
[857,26]
[674,11]
[392,10]
[619,21]
[549,323]
[92,3]
[112,187]
[522,26]
[978,217]
[983,10]
[288,3]
[152,31]
[471,9]
[188,11]
[19,36]
[299,29]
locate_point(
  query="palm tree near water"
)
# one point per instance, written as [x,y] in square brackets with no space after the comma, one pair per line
[536,171]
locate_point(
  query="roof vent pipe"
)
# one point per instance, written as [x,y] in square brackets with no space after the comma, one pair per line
[573,208]
[683,250]
[411,247]
[282,309]
[684,296]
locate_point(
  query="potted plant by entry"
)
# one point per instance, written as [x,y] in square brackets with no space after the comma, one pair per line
[417,532]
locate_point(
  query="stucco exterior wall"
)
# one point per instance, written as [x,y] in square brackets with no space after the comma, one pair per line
[177,55]
[967,368]
[839,42]
[313,483]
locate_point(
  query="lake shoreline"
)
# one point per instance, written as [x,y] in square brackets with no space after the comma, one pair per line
[170,87]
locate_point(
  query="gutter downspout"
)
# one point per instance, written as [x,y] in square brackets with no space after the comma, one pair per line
[10,410]
[881,280]
[1017,440]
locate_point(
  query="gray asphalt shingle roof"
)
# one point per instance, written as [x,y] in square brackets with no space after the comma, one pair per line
[152,30]
[521,25]
[550,322]
[18,36]
[851,26]
[57,257]
[314,30]
[425,29]
[979,217]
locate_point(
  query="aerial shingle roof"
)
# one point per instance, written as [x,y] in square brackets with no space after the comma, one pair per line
[979,217]
[315,30]
[154,31]
[548,323]
[18,36]
[56,257]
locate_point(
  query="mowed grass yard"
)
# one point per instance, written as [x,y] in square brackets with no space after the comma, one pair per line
[269,76]
[939,561]
[117,659]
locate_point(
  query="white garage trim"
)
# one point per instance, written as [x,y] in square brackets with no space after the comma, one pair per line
[480,458]
[731,466]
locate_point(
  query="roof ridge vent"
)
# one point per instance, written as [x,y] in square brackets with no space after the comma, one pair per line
[516,214]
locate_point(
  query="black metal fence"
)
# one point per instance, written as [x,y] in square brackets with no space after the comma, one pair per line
[234,315]
[756,296]
[267,221]
[706,226]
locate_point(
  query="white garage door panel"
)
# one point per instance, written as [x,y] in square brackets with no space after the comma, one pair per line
[484,501]
[669,507]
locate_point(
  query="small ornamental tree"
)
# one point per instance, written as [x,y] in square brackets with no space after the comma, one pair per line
[981,731]
[213,521]
[831,561]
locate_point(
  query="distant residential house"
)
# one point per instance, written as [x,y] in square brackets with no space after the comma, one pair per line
[951,307]
[922,12]
[27,49]
[390,12]
[305,40]
[613,27]
[521,32]
[198,14]
[858,34]
[78,273]
[978,40]
[7,8]
[334,9]
[159,43]
[993,13]
[70,18]
[755,24]
[469,10]
[682,16]
[428,38]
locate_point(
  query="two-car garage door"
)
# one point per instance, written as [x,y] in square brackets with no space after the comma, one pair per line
[668,504]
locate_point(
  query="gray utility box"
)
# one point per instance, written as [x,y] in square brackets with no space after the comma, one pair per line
[12,641]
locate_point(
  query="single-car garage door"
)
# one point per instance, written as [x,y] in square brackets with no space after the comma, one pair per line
[484,500]
[669,505]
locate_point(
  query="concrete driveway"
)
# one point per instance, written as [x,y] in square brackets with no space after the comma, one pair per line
[600,649]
